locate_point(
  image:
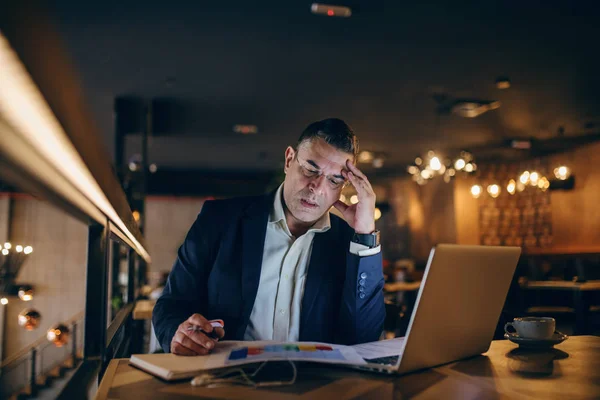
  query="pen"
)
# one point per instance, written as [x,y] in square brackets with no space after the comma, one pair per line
[213,334]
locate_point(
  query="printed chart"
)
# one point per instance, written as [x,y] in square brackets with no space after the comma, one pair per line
[298,352]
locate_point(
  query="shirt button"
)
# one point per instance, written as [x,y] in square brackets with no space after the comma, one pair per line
[361,289]
[363,275]
[362,295]
[281,311]
[362,282]
[286,276]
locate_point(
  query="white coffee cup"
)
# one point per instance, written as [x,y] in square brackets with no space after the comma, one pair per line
[532,327]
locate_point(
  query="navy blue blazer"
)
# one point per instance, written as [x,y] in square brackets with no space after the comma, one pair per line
[217,272]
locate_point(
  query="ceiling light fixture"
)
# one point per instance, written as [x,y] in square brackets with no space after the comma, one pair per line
[245,129]
[330,10]
[502,82]
[473,108]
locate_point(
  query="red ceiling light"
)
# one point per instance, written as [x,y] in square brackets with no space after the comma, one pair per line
[330,10]
[245,129]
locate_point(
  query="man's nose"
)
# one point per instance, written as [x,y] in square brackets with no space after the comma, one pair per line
[317,184]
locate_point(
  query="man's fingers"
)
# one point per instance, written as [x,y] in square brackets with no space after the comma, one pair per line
[354,169]
[362,187]
[197,346]
[199,320]
[341,206]
[200,339]
[220,332]
[181,350]
[182,342]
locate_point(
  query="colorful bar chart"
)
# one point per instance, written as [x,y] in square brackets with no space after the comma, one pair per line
[309,352]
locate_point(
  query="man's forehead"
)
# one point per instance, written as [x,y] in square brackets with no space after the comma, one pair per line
[324,155]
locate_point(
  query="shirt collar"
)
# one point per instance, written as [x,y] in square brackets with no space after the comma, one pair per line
[277,215]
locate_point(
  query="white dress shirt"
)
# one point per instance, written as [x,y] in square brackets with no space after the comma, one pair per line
[276,311]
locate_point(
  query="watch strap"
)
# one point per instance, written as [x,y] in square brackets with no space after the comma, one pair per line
[367,239]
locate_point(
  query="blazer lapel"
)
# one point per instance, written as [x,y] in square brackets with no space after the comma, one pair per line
[254,228]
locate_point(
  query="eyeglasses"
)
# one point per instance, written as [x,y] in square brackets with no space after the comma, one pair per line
[309,171]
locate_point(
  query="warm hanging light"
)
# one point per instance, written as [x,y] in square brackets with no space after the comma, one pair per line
[28,250]
[378,162]
[534,177]
[435,164]
[4,301]
[493,190]
[377,213]
[511,187]
[476,191]
[426,174]
[524,178]
[543,184]
[365,157]
[7,246]
[432,165]
[562,172]
[459,164]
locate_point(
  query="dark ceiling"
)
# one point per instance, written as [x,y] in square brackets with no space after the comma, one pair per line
[277,66]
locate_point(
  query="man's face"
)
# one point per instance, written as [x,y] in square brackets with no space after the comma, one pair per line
[313,180]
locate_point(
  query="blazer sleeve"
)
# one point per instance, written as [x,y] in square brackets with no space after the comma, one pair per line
[362,311]
[185,292]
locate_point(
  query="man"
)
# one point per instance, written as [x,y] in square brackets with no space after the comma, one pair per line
[279,266]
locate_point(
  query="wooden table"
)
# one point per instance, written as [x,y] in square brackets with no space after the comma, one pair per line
[569,371]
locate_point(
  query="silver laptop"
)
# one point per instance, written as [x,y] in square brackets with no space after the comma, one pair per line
[457,308]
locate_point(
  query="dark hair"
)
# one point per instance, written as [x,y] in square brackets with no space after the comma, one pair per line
[335,132]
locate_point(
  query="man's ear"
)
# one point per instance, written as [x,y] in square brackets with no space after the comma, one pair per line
[290,153]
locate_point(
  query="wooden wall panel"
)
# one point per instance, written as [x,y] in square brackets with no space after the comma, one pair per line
[576,213]
[466,209]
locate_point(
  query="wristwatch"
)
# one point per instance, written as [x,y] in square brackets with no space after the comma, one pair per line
[370,240]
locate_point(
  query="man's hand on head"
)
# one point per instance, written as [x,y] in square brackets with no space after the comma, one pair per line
[191,337]
[360,216]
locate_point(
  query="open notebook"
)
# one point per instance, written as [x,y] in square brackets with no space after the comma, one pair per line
[232,353]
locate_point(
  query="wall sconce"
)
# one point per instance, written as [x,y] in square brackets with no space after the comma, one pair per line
[562,172]
[26,292]
[29,319]
[58,335]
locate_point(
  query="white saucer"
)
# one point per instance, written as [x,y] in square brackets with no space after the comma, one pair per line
[557,338]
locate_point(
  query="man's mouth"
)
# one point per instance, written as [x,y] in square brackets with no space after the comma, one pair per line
[308,203]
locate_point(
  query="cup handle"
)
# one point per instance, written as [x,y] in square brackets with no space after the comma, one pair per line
[512,326]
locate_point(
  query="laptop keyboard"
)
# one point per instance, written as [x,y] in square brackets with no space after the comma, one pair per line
[389,360]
